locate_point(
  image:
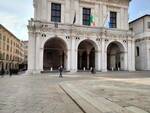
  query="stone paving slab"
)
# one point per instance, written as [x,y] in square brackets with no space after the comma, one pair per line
[41,93]
[34,94]
[135,109]
[111,95]
[91,104]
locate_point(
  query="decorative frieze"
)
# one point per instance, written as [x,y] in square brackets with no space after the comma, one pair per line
[80,31]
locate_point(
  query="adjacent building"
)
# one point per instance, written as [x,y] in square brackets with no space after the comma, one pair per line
[80,34]
[11,51]
[25,47]
[141,28]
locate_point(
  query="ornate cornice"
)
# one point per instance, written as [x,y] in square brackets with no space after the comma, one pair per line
[142,39]
[80,31]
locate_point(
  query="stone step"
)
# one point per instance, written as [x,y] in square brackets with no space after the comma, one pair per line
[85,106]
[91,104]
[68,103]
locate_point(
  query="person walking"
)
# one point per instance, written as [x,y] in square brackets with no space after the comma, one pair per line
[93,70]
[60,71]
[2,71]
[10,72]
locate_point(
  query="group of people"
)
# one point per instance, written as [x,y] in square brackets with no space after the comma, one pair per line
[10,72]
[93,71]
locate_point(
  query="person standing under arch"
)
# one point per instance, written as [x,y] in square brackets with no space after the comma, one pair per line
[60,71]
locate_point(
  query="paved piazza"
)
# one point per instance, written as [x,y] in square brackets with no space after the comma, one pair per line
[117,92]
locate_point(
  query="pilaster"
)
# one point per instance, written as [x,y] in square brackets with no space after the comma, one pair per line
[73,55]
[103,57]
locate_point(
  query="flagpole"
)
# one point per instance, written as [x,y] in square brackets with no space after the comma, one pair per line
[105,20]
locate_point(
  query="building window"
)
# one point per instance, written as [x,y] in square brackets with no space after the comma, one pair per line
[131,29]
[7,40]
[137,51]
[56,12]
[7,57]
[113,20]
[4,38]
[148,25]
[7,47]
[3,55]
[86,16]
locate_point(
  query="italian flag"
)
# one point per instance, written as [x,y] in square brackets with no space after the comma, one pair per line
[92,20]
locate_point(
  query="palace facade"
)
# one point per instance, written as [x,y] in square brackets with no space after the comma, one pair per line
[80,34]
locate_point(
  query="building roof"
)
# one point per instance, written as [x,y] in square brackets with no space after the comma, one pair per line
[139,18]
[9,32]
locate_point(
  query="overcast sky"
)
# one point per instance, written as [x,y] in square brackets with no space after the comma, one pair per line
[14,14]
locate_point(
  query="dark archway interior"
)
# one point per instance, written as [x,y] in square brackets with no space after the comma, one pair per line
[114,52]
[86,55]
[54,54]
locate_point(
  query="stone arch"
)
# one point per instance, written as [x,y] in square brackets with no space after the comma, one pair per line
[54,53]
[116,56]
[91,40]
[121,44]
[61,37]
[87,56]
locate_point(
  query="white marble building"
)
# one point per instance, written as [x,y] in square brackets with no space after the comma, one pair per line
[54,40]
[141,28]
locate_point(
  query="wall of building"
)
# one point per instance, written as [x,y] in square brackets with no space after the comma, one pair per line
[137,27]
[142,40]
[11,51]
[147,19]
[41,29]
[100,9]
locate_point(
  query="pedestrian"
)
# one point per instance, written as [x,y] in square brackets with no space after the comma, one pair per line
[10,72]
[93,70]
[60,71]
[2,71]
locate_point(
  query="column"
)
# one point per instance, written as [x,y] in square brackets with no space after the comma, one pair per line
[37,53]
[68,60]
[41,59]
[98,60]
[61,58]
[88,60]
[133,55]
[31,53]
[125,60]
[80,60]
[104,57]
[130,56]
[73,56]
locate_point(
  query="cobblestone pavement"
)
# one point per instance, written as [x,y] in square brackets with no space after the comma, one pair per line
[127,91]
[35,94]
[42,94]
